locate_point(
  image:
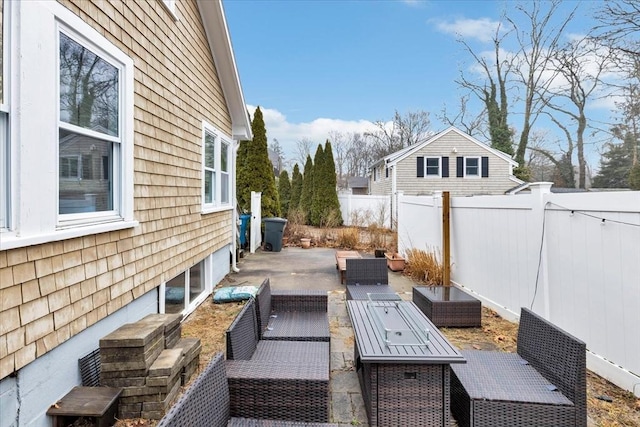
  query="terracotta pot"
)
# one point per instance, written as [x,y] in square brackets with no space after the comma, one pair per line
[395,261]
[306,243]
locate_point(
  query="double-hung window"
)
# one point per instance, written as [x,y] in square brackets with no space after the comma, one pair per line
[216,169]
[472,166]
[71,170]
[432,166]
[89,130]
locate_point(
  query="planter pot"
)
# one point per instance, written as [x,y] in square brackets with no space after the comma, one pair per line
[306,243]
[395,262]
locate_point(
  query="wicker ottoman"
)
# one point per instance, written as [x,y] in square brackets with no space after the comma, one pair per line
[448,306]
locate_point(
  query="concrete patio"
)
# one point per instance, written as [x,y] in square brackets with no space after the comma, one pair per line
[297,268]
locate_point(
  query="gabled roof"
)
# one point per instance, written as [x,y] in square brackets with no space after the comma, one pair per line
[399,155]
[215,26]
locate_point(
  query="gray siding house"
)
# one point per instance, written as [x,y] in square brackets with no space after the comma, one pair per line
[449,161]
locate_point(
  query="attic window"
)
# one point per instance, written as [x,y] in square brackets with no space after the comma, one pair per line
[171,7]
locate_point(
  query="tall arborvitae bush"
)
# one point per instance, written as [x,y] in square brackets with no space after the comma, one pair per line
[306,196]
[243,178]
[318,184]
[331,214]
[257,171]
[284,191]
[296,188]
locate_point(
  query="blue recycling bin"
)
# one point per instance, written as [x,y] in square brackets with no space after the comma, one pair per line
[244,221]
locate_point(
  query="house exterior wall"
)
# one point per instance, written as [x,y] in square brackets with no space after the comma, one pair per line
[382,184]
[407,181]
[53,292]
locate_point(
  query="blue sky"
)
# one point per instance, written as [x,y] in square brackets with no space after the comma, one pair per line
[317,66]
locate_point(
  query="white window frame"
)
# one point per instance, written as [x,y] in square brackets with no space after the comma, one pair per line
[217,204]
[34,81]
[479,166]
[426,167]
[190,306]
[5,205]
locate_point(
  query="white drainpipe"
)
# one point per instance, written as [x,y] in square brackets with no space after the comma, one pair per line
[234,215]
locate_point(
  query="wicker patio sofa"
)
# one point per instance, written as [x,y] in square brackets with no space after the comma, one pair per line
[207,403]
[367,275]
[542,385]
[275,379]
[292,315]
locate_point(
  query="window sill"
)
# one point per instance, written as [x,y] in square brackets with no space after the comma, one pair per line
[214,209]
[10,240]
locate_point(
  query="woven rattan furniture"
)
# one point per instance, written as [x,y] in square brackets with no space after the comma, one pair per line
[448,306]
[341,261]
[402,385]
[292,315]
[275,379]
[207,403]
[543,385]
[367,275]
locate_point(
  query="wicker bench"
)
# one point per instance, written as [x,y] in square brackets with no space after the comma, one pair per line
[207,402]
[367,275]
[275,379]
[292,315]
[543,384]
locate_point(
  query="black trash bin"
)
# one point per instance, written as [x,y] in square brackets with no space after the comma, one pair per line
[273,229]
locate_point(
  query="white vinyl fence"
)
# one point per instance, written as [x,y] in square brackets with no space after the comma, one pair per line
[573,258]
[364,210]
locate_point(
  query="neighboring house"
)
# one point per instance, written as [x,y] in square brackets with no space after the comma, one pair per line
[119,124]
[359,185]
[448,161]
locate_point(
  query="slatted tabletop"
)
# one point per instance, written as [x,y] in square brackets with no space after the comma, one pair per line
[373,349]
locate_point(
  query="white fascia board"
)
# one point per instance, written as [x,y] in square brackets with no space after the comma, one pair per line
[215,25]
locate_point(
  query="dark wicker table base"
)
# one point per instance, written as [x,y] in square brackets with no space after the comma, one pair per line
[461,310]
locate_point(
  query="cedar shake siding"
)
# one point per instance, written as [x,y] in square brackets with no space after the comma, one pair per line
[51,292]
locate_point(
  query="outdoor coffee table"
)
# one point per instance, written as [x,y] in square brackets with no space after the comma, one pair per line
[341,261]
[402,361]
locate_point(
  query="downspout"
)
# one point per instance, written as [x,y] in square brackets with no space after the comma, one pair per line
[234,215]
[394,200]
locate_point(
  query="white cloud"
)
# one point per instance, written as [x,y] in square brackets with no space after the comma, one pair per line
[482,29]
[288,134]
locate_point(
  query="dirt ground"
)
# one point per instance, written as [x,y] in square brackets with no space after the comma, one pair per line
[607,404]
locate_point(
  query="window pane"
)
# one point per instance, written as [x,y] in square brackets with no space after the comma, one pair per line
[224,184]
[196,281]
[209,151]
[82,183]
[433,166]
[472,166]
[224,156]
[209,185]
[88,89]
[174,294]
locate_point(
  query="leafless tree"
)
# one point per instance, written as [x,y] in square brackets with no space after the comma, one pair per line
[303,149]
[340,145]
[538,41]
[403,130]
[581,64]
[473,125]
[620,25]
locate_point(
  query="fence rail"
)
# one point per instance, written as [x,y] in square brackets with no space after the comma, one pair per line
[573,258]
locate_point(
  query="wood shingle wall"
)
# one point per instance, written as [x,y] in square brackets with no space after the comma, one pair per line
[51,292]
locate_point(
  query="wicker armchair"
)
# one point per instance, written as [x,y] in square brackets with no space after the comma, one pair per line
[207,403]
[543,384]
[298,370]
[367,275]
[292,315]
